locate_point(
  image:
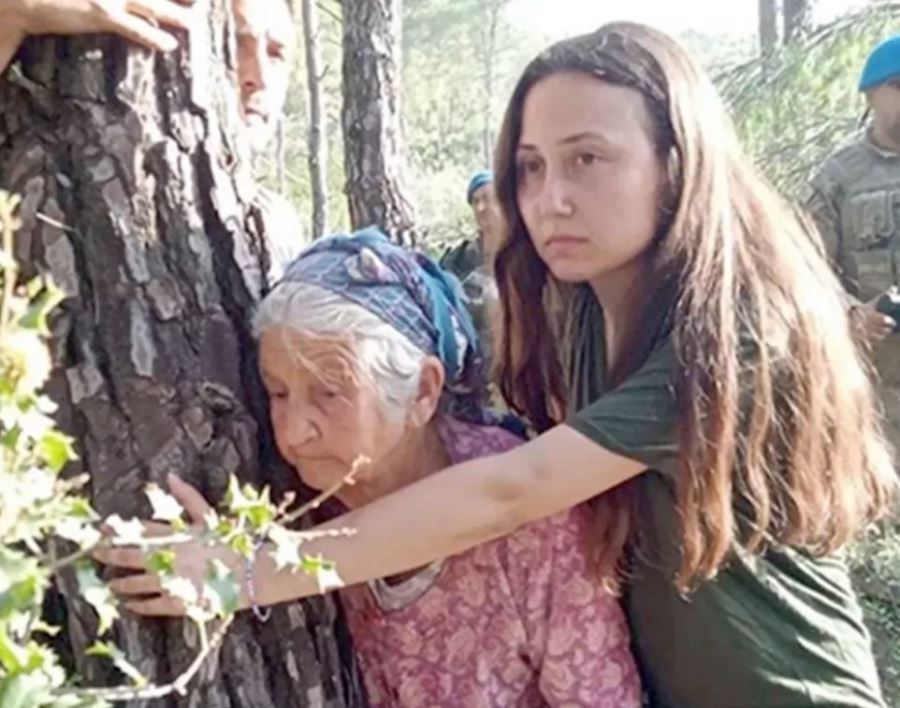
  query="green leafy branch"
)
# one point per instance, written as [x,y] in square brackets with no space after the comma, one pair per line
[47,525]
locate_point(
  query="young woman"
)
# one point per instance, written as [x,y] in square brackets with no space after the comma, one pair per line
[708,395]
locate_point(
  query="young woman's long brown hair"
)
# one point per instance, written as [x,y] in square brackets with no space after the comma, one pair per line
[776,405]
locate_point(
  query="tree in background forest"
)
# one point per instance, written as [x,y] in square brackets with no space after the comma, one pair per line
[135,201]
[374,147]
[318,137]
[796,20]
[461,58]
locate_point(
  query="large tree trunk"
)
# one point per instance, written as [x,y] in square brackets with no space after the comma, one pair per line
[768,26]
[797,18]
[318,147]
[375,156]
[136,201]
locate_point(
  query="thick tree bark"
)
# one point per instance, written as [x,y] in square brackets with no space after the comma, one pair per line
[768,26]
[375,156]
[318,147]
[797,15]
[137,204]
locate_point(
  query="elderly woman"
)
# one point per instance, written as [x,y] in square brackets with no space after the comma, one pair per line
[366,350]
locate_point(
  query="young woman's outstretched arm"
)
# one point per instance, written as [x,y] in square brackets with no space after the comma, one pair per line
[449,512]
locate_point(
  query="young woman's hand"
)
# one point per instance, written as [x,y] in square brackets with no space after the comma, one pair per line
[136,20]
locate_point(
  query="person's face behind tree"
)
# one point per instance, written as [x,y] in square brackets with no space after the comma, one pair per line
[265,42]
[884,101]
[488,217]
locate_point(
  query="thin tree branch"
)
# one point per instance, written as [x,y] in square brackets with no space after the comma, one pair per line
[179,685]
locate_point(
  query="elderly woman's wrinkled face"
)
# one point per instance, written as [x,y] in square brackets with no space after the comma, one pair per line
[325,414]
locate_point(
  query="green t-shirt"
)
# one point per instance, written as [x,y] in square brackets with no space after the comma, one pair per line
[781,630]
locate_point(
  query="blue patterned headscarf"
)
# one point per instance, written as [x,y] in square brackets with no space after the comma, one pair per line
[413,294]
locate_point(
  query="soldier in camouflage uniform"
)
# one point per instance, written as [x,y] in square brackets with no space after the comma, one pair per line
[471,261]
[855,202]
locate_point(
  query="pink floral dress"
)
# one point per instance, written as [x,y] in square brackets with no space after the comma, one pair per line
[516,622]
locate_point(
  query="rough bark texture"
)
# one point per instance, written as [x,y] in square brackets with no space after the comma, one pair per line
[797,18]
[137,204]
[375,156]
[768,26]
[318,148]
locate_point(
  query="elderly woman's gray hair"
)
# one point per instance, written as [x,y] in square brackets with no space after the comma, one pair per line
[386,357]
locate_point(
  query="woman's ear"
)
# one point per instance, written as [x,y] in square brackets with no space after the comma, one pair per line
[431,384]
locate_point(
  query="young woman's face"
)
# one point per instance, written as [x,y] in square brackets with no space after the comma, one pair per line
[589,178]
[323,415]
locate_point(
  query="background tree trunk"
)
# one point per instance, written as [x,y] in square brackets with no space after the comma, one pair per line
[280,167]
[375,157]
[492,10]
[768,26]
[318,147]
[797,18]
[136,202]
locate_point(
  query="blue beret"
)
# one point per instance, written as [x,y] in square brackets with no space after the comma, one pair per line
[882,65]
[479,179]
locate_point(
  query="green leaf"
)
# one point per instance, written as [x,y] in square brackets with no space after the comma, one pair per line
[23,596]
[57,450]
[108,650]
[12,655]
[10,438]
[247,503]
[243,544]
[287,547]
[162,562]
[35,424]
[127,533]
[33,287]
[222,588]
[39,308]
[79,531]
[325,572]
[165,506]
[98,596]
[14,567]
[235,498]
[81,508]
[182,589]
[22,691]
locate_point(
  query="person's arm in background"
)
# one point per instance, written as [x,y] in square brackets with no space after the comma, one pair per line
[822,208]
[136,20]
